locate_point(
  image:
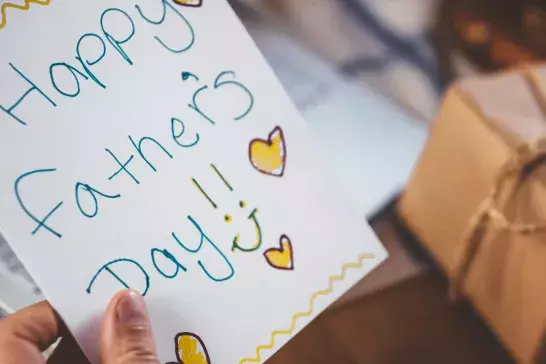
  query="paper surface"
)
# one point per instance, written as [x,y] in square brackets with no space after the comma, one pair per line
[147,144]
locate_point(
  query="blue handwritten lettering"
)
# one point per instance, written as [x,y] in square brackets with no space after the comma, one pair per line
[138,147]
[123,167]
[187,75]
[166,254]
[85,63]
[118,28]
[204,238]
[34,87]
[108,269]
[93,193]
[74,73]
[116,43]
[196,108]
[218,84]
[179,124]
[166,3]
[41,223]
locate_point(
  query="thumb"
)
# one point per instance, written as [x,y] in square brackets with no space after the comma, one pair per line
[126,335]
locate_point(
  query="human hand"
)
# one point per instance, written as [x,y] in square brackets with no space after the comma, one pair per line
[126,335]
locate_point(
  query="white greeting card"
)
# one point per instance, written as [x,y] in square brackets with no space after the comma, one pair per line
[146,144]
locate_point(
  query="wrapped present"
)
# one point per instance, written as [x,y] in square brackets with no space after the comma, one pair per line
[477,201]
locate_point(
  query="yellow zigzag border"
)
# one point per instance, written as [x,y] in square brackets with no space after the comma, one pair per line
[3,16]
[315,295]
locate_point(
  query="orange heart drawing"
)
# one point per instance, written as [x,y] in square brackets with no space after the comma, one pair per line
[191,3]
[283,257]
[269,156]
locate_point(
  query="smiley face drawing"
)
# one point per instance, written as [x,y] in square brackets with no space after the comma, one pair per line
[190,349]
[189,3]
[226,79]
[228,218]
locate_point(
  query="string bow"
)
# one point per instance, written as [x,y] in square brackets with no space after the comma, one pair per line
[489,212]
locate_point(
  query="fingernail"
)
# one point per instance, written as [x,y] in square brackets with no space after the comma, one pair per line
[131,309]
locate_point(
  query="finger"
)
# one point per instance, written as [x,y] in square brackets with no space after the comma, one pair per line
[126,336]
[37,325]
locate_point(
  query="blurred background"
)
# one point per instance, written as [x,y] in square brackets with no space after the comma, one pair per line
[411,50]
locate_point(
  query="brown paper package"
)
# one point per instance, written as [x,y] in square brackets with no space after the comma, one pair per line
[477,201]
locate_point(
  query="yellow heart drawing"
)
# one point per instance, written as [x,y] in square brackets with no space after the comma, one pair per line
[192,3]
[190,349]
[269,156]
[282,258]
